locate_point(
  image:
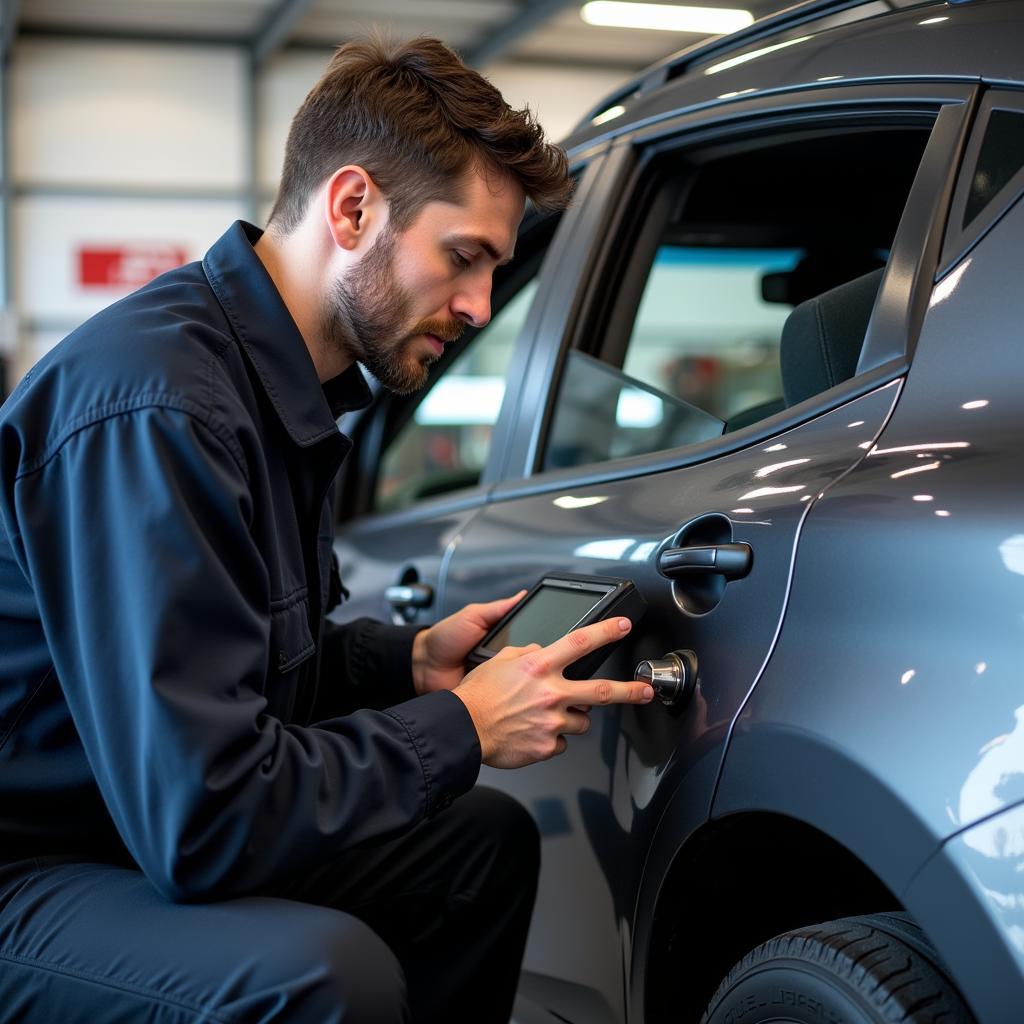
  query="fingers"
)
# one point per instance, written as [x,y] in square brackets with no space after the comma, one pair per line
[494,611]
[607,691]
[582,641]
[576,723]
[516,652]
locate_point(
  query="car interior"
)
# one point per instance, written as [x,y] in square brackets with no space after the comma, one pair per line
[832,200]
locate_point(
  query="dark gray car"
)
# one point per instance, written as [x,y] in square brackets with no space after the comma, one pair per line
[785,314]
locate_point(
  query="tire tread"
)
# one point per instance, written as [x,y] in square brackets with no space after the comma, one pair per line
[870,954]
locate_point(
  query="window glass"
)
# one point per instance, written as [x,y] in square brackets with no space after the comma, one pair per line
[605,414]
[705,333]
[444,445]
[1001,157]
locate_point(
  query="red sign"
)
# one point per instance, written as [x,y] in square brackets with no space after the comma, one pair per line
[126,266]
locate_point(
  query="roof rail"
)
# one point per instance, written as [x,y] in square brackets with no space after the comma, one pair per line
[789,17]
[672,66]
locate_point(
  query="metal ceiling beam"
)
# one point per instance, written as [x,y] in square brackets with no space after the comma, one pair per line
[278,25]
[499,41]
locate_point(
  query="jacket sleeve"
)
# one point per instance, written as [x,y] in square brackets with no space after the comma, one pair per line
[365,664]
[135,536]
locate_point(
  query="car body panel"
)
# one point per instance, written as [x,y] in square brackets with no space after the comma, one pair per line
[913,634]
[599,805]
[969,896]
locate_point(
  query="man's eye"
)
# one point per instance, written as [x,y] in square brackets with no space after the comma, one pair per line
[459,260]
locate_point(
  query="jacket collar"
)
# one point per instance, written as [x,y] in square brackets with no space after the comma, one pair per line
[270,338]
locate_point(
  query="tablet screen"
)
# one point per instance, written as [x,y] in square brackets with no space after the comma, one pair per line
[548,614]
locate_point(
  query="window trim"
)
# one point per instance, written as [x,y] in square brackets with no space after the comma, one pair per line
[959,241]
[770,427]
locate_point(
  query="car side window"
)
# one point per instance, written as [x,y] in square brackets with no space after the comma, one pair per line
[444,445]
[992,179]
[747,289]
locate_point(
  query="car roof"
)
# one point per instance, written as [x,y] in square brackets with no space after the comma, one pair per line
[818,44]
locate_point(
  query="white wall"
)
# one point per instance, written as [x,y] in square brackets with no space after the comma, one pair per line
[119,144]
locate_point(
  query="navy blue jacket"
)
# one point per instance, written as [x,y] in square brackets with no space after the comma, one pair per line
[170,692]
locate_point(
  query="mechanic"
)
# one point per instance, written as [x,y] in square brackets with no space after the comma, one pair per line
[215,804]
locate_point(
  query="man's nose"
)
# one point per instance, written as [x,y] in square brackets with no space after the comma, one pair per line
[472,305]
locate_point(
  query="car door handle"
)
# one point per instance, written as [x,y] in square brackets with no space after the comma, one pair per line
[733,561]
[410,595]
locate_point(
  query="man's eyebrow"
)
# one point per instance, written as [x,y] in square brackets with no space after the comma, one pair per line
[485,245]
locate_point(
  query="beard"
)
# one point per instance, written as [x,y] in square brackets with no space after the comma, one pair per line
[365,316]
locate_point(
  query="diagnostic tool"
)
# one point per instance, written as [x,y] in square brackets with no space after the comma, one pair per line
[556,605]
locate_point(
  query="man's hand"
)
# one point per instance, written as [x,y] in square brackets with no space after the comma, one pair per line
[522,705]
[439,653]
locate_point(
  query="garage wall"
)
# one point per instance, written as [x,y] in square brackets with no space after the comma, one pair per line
[128,157]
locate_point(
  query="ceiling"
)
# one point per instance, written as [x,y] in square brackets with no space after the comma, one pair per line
[483,31]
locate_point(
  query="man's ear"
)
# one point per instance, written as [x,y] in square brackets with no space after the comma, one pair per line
[353,203]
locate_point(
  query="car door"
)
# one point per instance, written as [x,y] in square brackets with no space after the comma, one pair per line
[660,414]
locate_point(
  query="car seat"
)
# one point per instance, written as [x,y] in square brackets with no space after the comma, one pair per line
[822,338]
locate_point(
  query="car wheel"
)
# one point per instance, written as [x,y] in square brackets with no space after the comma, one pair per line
[872,969]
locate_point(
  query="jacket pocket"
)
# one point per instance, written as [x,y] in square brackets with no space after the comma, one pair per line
[291,641]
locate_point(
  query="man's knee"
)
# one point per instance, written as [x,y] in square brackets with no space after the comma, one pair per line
[322,965]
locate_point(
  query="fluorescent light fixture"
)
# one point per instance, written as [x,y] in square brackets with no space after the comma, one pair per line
[608,115]
[733,62]
[665,17]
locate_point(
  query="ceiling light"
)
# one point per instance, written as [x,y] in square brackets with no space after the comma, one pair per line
[665,17]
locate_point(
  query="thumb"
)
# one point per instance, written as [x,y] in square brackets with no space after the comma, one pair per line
[494,611]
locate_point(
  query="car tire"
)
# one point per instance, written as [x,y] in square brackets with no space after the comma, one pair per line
[872,969]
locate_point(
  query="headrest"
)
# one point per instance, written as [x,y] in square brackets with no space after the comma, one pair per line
[822,337]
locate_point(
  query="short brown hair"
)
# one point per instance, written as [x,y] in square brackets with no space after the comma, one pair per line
[417,119]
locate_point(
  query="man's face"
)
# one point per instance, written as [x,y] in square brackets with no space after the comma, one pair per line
[416,291]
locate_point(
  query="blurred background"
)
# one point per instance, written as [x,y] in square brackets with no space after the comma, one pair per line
[132,132]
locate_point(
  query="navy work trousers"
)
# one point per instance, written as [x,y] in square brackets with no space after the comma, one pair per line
[430,927]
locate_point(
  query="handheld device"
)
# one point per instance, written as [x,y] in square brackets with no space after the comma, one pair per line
[557,604]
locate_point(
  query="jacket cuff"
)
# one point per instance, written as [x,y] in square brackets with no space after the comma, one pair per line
[442,733]
[382,654]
